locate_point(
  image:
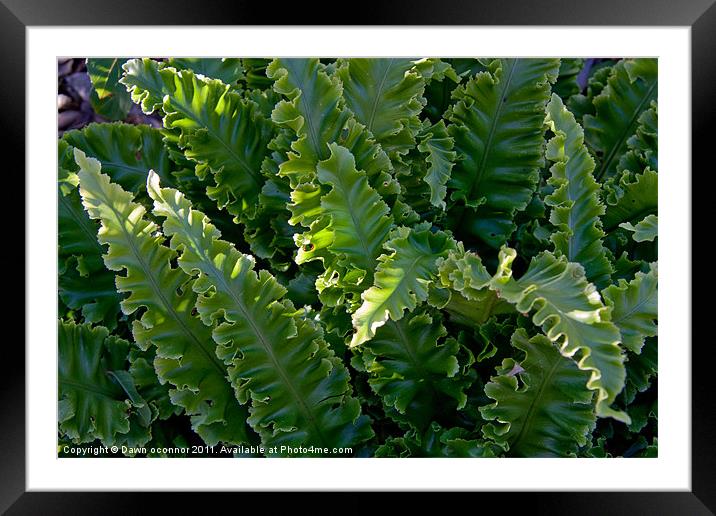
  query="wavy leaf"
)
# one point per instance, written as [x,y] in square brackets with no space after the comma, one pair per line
[227,70]
[126,152]
[92,404]
[635,200]
[299,390]
[576,209]
[646,230]
[567,308]
[386,96]
[314,111]
[185,351]
[401,279]
[438,146]
[359,218]
[219,129]
[630,89]
[84,283]
[437,441]
[415,370]
[542,405]
[570,312]
[108,97]
[634,308]
[643,146]
[498,170]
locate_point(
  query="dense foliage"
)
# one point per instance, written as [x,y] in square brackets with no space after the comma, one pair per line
[362,257]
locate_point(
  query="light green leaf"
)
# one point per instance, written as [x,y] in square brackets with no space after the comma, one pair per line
[634,308]
[567,308]
[314,111]
[548,411]
[402,278]
[360,220]
[570,312]
[646,230]
[498,159]
[108,98]
[576,209]
[185,351]
[386,96]
[218,128]
[630,89]
[299,390]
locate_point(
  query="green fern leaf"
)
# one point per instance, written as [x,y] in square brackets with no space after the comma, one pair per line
[108,98]
[630,89]
[227,70]
[299,390]
[386,96]
[314,111]
[548,411]
[219,129]
[415,370]
[359,217]
[646,230]
[126,152]
[576,209]
[92,403]
[497,172]
[185,351]
[567,308]
[438,146]
[401,279]
[634,308]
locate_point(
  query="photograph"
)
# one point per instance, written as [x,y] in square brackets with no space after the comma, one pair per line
[357,257]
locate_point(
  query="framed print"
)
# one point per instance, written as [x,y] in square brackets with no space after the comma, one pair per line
[419,253]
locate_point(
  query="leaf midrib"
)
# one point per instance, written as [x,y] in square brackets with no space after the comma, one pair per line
[493,129]
[158,291]
[532,411]
[606,163]
[218,275]
[379,92]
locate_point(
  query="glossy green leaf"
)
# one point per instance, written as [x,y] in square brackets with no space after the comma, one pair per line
[542,406]
[567,308]
[576,208]
[646,230]
[631,87]
[92,404]
[402,278]
[415,369]
[299,390]
[499,159]
[634,308]
[219,129]
[185,351]
[228,70]
[108,97]
[441,157]
[386,96]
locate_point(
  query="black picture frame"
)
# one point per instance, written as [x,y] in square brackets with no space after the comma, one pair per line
[700,15]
